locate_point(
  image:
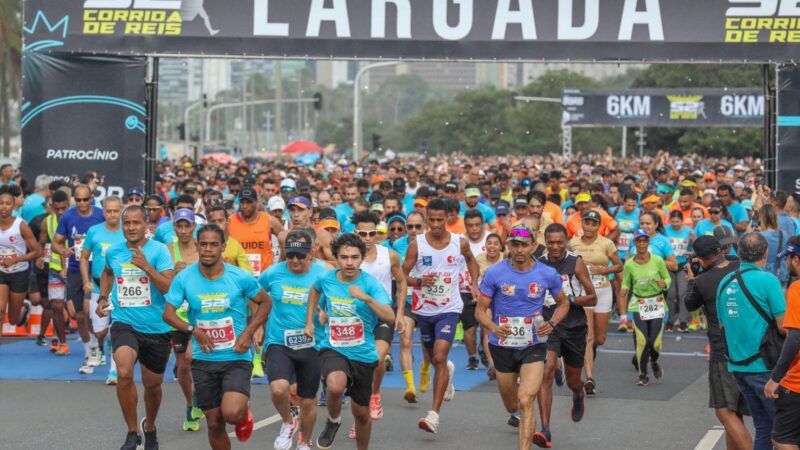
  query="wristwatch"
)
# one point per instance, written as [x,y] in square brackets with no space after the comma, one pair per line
[190,329]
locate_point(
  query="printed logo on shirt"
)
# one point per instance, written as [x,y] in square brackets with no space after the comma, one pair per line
[294,295]
[214,303]
[451,260]
[427,260]
[508,289]
[534,290]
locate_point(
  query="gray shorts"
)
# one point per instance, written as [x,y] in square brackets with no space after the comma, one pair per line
[724,393]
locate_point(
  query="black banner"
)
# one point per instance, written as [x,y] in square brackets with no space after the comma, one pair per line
[622,30]
[83,113]
[788,143]
[663,108]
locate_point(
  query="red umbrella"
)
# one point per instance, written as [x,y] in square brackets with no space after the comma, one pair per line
[299,147]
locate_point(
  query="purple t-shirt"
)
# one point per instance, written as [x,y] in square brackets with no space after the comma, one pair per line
[517,297]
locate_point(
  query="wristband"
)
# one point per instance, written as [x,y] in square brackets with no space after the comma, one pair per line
[101,298]
[551,324]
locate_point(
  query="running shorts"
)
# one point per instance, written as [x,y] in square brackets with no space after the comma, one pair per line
[301,366]
[786,426]
[180,341]
[723,391]
[98,323]
[569,343]
[439,327]
[468,319]
[37,282]
[510,360]
[384,332]
[75,292]
[212,379]
[152,350]
[359,375]
[17,282]
[56,286]
[605,299]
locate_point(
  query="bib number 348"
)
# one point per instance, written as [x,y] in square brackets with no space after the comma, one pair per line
[346,331]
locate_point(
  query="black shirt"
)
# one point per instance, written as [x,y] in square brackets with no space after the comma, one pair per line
[702,292]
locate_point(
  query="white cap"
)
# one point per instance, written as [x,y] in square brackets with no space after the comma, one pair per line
[288,183]
[739,185]
[276,203]
[710,191]
[740,167]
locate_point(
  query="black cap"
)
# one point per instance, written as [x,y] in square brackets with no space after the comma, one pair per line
[248,193]
[591,215]
[399,183]
[520,202]
[495,193]
[222,176]
[706,246]
[451,186]
[327,213]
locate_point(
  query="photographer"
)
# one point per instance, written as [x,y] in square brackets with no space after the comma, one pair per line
[706,271]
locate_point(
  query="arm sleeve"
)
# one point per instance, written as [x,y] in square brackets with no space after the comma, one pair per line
[790,350]
[692,299]
[176,293]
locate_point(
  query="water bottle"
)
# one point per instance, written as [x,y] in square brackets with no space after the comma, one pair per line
[538,322]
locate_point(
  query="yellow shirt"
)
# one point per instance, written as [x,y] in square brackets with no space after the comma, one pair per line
[234,254]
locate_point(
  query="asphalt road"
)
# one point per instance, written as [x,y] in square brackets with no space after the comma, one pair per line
[671,413]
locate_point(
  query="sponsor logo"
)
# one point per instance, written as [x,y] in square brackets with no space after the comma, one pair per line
[572,100]
[427,260]
[446,329]
[508,289]
[80,155]
[451,260]
[772,21]
[534,290]
[686,107]
[142,17]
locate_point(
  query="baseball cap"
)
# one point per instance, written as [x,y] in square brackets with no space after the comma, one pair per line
[472,192]
[300,202]
[663,170]
[451,186]
[709,177]
[378,207]
[582,198]
[789,249]
[521,233]
[248,193]
[502,209]
[276,203]
[651,199]
[399,183]
[495,193]
[296,246]
[329,223]
[420,202]
[640,233]
[665,189]
[222,176]
[520,202]
[136,191]
[288,185]
[706,246]
[724,235]
[184,214]
[591,215]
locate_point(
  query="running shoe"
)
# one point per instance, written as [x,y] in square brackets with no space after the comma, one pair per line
[430,423]
[63,350]
[258,368]
[103,359]
[578,409]
[352,434]
[450,393]
[484,359]
[323,399]
[513,420]
[244,429]
[658,372]
[189,422]
[389,363]
[424,379]
[41,341]
[53,345]
[694,325]
[93,360]
[560,378]
[682,328]
[303,446]
[325,439]
[112,378]
[472,363]
[622,328]
[542,438]
[26,312]
[643,380]
[197,413]
[285,435]
[703,323]
[410,396]
[375,407]
[133,441]
[589,386]
[86,369]
[150,437]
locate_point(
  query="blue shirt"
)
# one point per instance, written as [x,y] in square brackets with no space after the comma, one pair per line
[775,265]
[518,294]
[489,216]
[680,242]
[353,322]
[289,293]
[74,227]
[627,224]
[785,223]
[706,228]
[98,241]
[165,233]
[741,323]
[343,212]
[145,318]
[659,246]
[400,246]
[408,203]
[32,206]
[219,305]
[737,214]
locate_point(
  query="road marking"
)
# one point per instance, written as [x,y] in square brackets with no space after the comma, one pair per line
[710,440]
[631,352]
[261,423]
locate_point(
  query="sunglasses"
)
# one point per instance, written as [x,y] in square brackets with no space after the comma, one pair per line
[518,232]
[82,200]
[715,211]
[134,198]
[293,255]
[414,226]
[364,234]
[397,229]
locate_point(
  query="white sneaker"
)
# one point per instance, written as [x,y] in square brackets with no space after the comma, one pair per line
[93,360]
[284,439]
[303,446]
[451,390]
[430,423]
[86,369]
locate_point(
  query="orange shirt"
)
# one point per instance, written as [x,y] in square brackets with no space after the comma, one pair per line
[575,228]
[457,228]
[255,239]
[554,211]
[687,214]
[792,320]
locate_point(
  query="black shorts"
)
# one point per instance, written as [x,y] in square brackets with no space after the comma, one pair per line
[723,391]
[786,426]
[407,312]
[152,350]
[17,282]
[284,363]
[213,379]
[75,291]
[384,332]
[569,343]
[180,341]
[37,282]
[359,375]
[468,319]
[510,360]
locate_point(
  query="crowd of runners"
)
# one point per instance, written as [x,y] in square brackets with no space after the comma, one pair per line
[308,274]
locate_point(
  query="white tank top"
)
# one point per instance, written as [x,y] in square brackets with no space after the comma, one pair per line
[480,247]
[443,297]
[380,268]
[13,244]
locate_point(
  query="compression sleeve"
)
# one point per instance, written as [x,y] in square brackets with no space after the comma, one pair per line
[788,353]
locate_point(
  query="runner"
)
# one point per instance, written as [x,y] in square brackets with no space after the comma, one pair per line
[354,302]
[137,273]
[300,212]
[56,273]
[680,237]
[18,247]
[434,257]
[72,229]
[415,225]
[291,355]
[234,253]
[510,305]
[601,258]
[98,240]
[37,288]
[476,236]
[495,251]
[569,339]
[165,233]
[384,265]
[646,279]
[217,295]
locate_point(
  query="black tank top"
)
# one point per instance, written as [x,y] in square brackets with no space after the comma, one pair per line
[576,317]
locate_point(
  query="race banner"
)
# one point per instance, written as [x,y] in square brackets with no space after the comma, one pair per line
[788,142]
[487,30]
[663,108]
[82,113]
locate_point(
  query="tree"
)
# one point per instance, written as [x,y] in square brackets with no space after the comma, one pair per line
[10,65]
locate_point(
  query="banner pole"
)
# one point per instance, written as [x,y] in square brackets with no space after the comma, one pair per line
[151,152]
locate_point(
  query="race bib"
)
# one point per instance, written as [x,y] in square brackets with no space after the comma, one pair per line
[598,281]
[255,263]
[651,308]
[48,251]
[624,241]
[346,331]
[566,288]
[438,293]
[77,249]
[679,246]
[133,290]
[297,340]
[521,334]
[220,331]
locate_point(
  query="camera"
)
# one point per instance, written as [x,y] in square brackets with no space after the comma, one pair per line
[697,268]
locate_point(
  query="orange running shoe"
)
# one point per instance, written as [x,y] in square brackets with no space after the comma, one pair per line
[244,429]
[63,350]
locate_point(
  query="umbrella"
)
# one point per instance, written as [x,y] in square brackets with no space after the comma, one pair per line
[300,147]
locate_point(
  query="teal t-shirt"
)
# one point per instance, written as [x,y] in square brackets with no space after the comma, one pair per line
[165,233]
[741,323]
[289,293]
[98,241]
[219,307]
[680,242]
[141,311]
[627,224]
[659,246]
[351,322]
